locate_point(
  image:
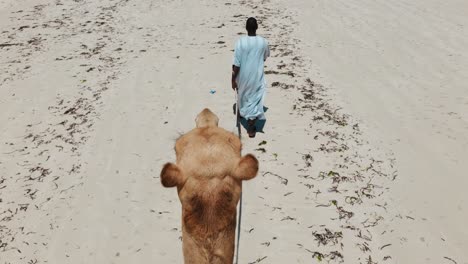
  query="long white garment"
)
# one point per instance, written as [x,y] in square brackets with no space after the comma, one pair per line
[250,54]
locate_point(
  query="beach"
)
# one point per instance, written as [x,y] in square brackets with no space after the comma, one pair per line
[362,156]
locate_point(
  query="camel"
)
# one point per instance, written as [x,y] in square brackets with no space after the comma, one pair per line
[208,174]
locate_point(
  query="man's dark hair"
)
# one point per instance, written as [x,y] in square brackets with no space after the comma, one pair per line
[251,24]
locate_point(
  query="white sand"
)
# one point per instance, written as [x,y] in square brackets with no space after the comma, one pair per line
[400,66]
[366,164]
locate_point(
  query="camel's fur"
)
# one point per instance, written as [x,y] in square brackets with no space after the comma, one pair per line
[208,175]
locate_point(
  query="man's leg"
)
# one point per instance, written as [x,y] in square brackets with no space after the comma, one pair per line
[251,130]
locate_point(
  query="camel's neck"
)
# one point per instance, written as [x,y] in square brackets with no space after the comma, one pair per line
[216,248]
[209,225]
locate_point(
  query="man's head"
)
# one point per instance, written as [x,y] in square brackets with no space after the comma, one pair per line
[251,25]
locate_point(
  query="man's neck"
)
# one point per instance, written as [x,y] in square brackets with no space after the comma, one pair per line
[251,34]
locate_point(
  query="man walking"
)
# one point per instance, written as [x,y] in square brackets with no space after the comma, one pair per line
[248,78]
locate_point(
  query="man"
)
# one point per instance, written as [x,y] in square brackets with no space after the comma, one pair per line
[248,78]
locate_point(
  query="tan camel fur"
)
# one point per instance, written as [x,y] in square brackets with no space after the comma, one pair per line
[208,175]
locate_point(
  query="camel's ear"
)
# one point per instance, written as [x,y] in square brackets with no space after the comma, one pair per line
[171,176]
[247,168]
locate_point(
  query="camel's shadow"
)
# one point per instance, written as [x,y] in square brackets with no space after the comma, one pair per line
[259,124]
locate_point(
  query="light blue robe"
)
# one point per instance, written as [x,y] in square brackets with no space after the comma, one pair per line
[250,54]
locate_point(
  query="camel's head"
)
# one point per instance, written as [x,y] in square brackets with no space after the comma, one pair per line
[208,176]
[207,119]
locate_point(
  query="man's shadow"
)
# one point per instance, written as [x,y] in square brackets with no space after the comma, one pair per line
[259,124]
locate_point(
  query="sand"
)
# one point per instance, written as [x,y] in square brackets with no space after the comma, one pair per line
[363,155]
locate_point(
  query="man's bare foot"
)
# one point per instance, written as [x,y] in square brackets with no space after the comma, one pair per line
[251,130]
